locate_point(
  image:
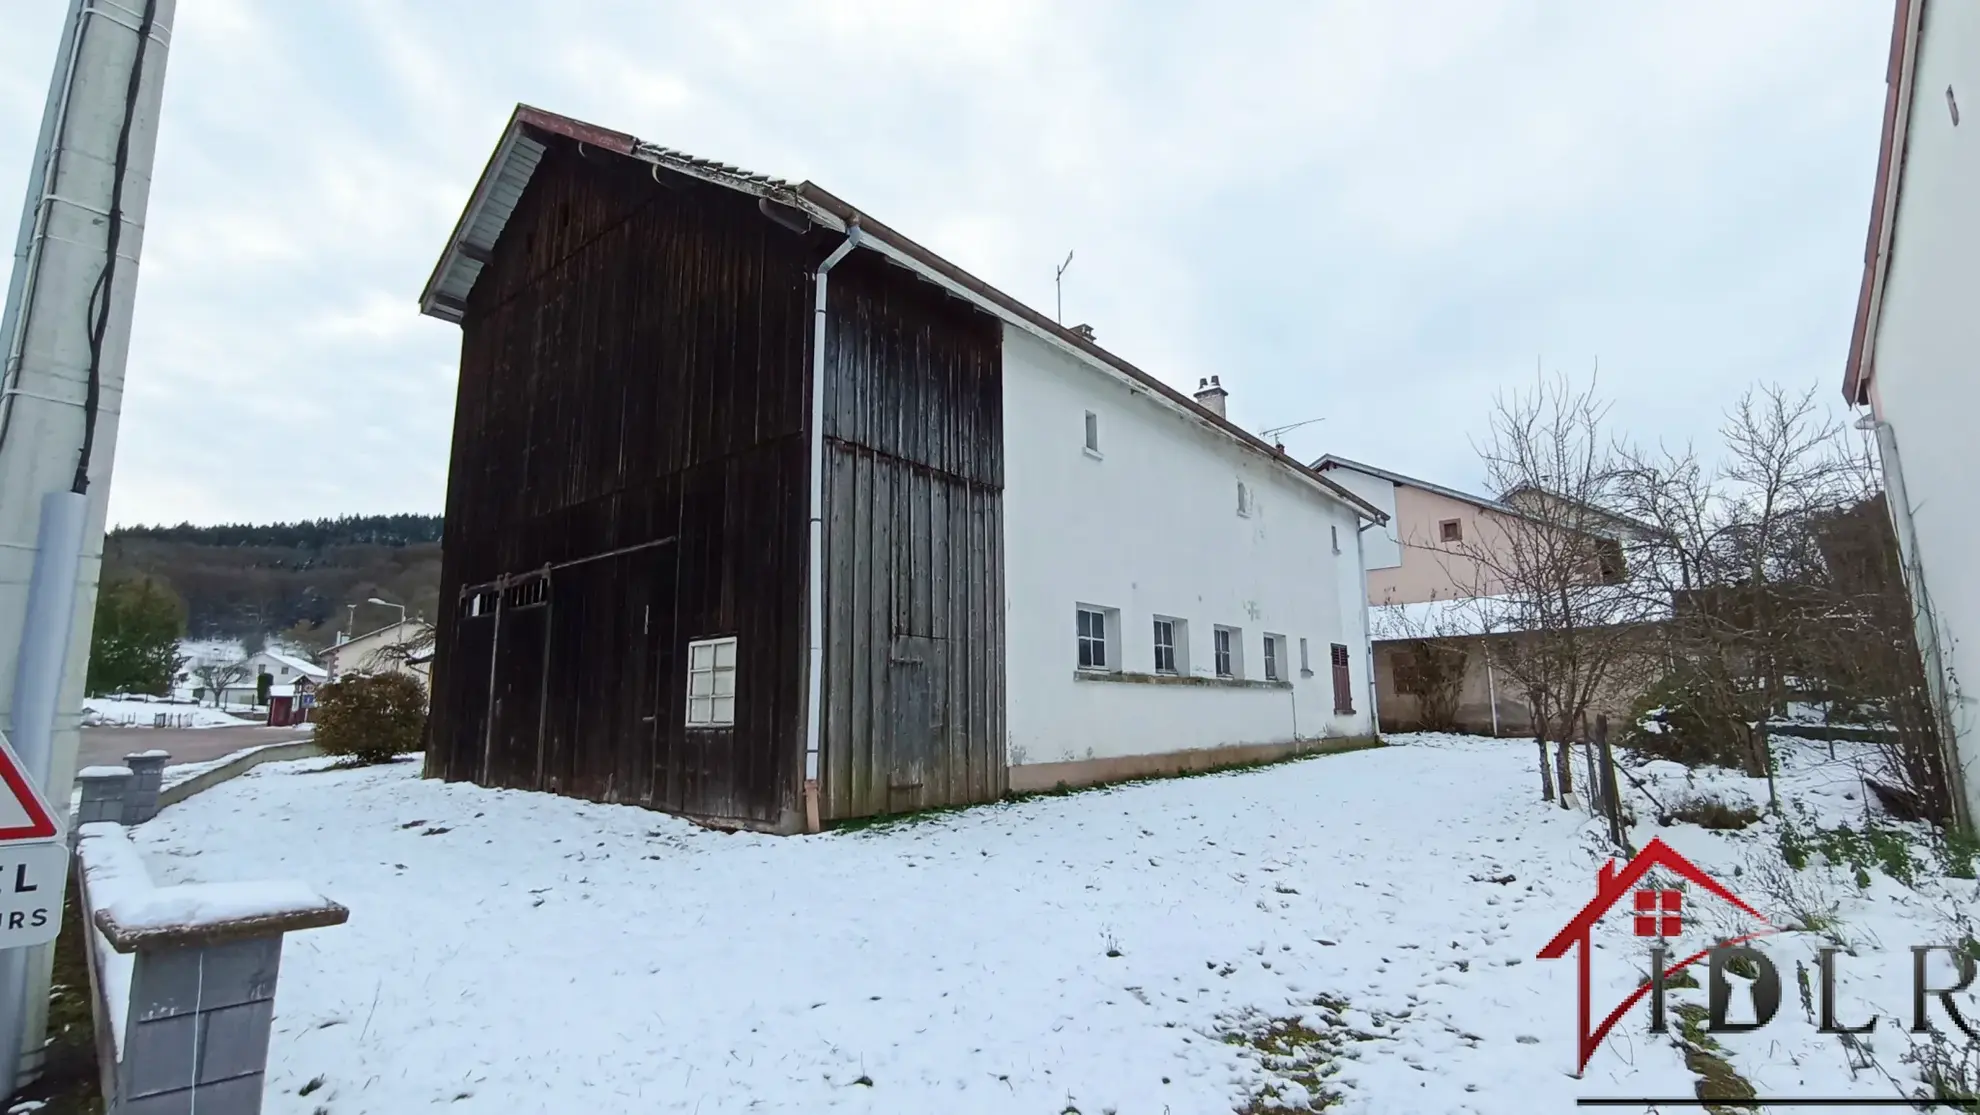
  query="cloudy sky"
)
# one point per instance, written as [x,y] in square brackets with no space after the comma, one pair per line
[1378,213]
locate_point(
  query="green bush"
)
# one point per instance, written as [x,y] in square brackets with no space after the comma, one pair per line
[371,717]
[1680,718]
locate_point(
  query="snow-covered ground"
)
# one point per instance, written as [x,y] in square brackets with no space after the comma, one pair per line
[140,712]
[1102,951]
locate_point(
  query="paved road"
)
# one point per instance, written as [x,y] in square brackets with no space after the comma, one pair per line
[108,746]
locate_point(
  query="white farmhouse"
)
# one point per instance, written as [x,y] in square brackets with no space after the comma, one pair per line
[763,513]
[1916,347]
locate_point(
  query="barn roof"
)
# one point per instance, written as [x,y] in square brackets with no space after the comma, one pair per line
[530,130]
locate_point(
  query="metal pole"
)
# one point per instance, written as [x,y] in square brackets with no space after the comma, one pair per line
[37,689]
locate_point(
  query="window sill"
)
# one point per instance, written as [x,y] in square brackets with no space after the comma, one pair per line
[1093,453]
[1176,679]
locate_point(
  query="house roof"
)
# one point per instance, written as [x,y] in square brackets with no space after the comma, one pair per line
[1906,20]
[415,624]
[300,665]
[1332,461]
[531,129]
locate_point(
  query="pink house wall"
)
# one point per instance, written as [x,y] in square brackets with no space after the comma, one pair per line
[1432,569]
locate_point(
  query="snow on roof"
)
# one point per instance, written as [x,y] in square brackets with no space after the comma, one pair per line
[299,665]
[1596,605]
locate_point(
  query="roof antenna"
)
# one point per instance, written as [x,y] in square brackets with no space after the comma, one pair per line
[1274,432]
[1058,288]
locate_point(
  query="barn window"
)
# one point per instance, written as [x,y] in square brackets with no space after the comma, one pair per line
[528,594]
[1343,685]
[711,688]
[1092,434]
[1097,628]
[477,603]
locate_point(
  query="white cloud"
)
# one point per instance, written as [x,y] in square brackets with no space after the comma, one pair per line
[1370,211]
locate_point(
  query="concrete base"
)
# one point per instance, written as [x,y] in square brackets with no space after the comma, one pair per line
[1032,777]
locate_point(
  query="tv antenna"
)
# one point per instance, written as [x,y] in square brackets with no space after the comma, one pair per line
[1058,288]
[1272,434]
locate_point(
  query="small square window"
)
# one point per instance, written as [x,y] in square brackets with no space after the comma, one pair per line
[711,690]
[1450,530]
[1093,433]
[1094,636]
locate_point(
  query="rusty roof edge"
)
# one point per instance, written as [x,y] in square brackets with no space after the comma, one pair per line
[1038,324]
[1898,75]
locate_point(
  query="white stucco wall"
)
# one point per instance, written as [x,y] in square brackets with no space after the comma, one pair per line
[1381,544]
[1927,359]
[1151,527]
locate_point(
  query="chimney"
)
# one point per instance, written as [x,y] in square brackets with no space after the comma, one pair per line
[1083,331]
[1210,395]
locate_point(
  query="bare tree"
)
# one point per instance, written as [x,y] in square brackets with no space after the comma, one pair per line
[1734,550]
[1548,570]
[216,677]
[1432,660]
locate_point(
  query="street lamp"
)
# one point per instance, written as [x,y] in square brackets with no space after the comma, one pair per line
[389,604]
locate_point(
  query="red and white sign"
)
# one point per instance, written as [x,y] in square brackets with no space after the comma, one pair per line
[24,813]
[34,859]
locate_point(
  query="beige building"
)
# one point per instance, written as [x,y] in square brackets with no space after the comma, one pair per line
[1430,577]
[375,651]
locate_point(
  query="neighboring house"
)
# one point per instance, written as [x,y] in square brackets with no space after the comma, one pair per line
[1431,576]
[378,652]
[1917,341]
[282,668]
[723,550]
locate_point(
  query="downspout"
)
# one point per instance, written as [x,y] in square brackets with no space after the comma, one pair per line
[1491,688]
[1899,501]
[814,626]
[1367,635]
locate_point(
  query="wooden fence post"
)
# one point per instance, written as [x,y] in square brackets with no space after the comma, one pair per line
[1611,796]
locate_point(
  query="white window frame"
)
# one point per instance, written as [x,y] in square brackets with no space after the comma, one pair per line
[1093,434]
[711,683]
[1107,643]
[1178,645]
[1275,657]
[1227,659]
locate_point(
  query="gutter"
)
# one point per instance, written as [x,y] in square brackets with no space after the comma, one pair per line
[815,540]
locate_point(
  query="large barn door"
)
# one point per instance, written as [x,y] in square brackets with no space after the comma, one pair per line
[520,676]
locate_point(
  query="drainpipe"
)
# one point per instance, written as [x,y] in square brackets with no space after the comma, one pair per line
[1367,636]
[1899,502]
[815,542]
[1491,687]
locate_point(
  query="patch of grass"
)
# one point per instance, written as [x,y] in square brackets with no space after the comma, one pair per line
[1721,1089]
[1300,1054]
[1712,813]
[1063,789]
[1890,850]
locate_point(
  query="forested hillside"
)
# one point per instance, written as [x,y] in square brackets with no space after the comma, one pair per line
[293,579]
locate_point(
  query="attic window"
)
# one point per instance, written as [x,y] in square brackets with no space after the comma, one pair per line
[1450,530]
[1092,434]
[1244,499]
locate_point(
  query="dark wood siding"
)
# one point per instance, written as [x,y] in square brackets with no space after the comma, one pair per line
[631,418]
[914,631]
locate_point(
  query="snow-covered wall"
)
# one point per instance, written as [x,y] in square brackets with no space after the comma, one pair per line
[1928,345]
[1146,526]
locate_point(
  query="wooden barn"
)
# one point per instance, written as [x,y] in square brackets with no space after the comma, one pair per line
[725,524]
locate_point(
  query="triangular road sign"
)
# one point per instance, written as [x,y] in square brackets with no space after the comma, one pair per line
[24,813]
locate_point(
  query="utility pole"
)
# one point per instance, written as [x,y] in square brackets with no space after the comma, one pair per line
[1058,290]
[64,338]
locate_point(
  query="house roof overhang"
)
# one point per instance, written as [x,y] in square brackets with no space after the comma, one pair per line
[530,129]
[1899,71]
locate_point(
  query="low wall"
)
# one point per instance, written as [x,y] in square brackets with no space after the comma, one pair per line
[1032,777]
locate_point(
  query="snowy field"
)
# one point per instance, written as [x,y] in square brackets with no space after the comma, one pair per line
[1125,950]
[138,712]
